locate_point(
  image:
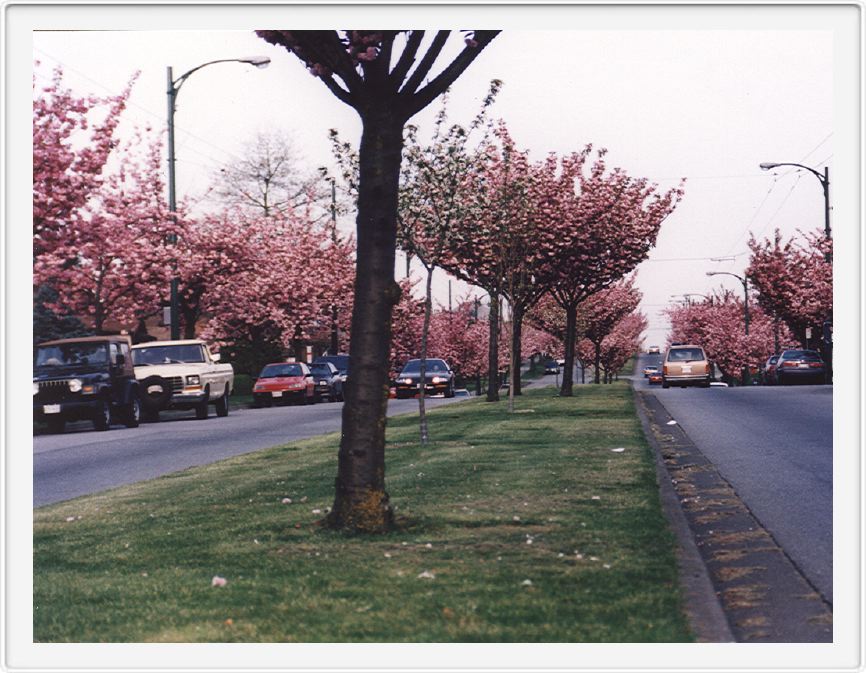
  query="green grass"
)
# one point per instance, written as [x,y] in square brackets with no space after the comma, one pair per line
[135,563]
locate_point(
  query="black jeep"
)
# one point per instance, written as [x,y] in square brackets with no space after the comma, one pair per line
[88,378]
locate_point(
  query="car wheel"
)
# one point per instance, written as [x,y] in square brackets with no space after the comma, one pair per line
[56,426]
[222,404]
[201,410]
[665,384]
[102,419]
[132,413]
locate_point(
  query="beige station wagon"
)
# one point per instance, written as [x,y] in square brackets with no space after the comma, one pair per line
[686,365]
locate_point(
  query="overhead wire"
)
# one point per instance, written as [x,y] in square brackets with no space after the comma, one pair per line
[159,117]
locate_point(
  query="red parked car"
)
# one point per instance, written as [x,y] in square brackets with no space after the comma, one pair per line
[284,383]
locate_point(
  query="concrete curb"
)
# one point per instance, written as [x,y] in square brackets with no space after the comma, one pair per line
[702,606]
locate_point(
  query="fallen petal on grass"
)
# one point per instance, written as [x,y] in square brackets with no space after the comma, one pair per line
[526,583]
[620,450]
[218,581]
[426,575]
[672,422]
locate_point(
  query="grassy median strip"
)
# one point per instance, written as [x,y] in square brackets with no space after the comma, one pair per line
[528,527]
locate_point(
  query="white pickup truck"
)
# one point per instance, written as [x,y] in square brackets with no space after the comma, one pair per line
[181,375]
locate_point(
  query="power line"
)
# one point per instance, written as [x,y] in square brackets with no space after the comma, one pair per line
[150,113]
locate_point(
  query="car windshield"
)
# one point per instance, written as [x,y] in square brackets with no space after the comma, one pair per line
[273,371]
[341,362]
[167,355]
[685,354]
[321,369]
[414,366]
[64,355]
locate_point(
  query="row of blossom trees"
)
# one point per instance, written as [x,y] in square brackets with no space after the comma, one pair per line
[791,291]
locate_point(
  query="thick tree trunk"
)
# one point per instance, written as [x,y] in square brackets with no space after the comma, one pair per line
[597,345]
[422,374]
[516,339]
[361,502]
[567,389]
[493,351]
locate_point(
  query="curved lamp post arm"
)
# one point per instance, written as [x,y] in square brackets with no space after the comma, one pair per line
[174,86]
[825,184]
[745,281]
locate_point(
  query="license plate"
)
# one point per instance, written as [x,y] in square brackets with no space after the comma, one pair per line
[803,365]
[51,409]
[687,369]
[154,390]
[277,393]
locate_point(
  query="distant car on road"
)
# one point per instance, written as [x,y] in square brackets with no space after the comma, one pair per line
[649,371]
[655,378]
[462,392]
[328,382]
[654,350]
[284,383]
[768,371]
[800,366]
[686,365]
[550,367]
[438,378]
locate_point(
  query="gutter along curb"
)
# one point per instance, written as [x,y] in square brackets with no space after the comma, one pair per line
[702,606]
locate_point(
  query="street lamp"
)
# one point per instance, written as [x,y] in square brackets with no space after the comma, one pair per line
[825,183]
[174,86]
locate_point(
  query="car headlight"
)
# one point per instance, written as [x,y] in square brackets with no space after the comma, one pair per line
[35,388]
[193,380]
[438,379]
[74,385]
[406,380]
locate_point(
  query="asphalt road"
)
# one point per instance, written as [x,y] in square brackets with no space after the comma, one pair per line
[82,461]
[774,445]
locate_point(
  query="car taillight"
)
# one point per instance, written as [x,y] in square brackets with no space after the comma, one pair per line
[665,370]
[816,364]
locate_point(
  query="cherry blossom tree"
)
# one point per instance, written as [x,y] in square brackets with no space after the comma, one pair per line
[608,223]
[718,326]
[276,287]
[794,281]
[380,75]
[601,312]
[460,336]
[621,343]
[73,137]
[495,244]
[112,260]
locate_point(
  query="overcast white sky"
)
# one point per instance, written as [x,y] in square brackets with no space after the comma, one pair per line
[708,104]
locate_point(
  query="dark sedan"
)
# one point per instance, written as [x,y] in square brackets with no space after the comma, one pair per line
[329,383]
[800,366]
[438,379]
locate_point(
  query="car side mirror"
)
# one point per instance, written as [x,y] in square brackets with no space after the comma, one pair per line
[215,357]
